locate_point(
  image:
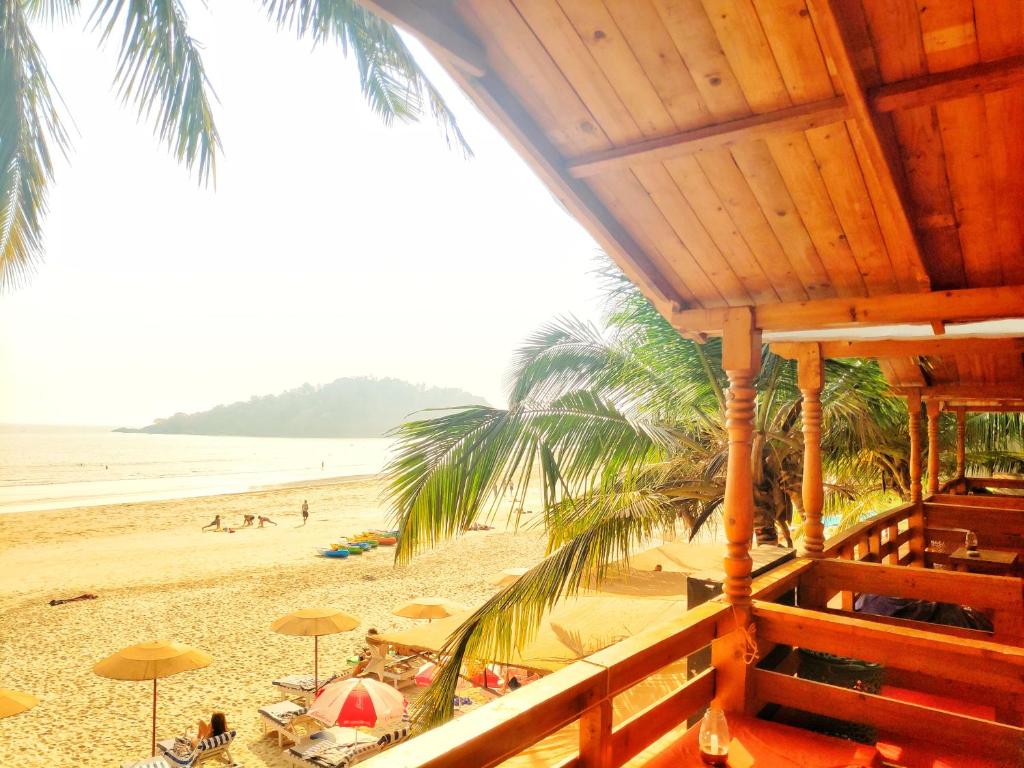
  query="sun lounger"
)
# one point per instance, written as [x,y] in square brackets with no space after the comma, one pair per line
[149,762]
[301,686]
[214,746]
[277,718]
[340,747]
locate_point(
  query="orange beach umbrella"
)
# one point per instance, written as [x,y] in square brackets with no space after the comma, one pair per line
[15,702]
[314,622]
[151,661]
[429,608]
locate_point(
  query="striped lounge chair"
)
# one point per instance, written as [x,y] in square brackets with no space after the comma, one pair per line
[334,753]
[149,762]
[207,749]
[301,686]
[277,718]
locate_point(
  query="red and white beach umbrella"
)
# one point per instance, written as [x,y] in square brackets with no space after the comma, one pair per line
[358,701]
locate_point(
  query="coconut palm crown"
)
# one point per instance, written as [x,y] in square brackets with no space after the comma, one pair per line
[160,71]
[624,430]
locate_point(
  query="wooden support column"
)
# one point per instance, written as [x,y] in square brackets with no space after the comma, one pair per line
[811,378]
[596,736]
[961,457]
[934,407]
[914,413]
[741,359]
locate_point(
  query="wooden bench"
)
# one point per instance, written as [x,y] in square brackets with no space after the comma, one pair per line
[765,744]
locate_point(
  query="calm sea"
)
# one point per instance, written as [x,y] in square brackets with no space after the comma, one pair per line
[44,467]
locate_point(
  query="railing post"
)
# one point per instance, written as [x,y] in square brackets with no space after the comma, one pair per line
[961,429]
[596,736]
[933,407]
[811,378]
[741,359]
[914,425]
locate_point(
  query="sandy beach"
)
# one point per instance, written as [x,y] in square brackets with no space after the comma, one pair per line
[159,577]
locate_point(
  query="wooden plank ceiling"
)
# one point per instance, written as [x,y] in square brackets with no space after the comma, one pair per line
[957,371]
[751,152]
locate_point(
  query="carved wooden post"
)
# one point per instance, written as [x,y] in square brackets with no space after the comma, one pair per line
[811,377]
[933,407]
[914,412]
[741,359]
[961,428]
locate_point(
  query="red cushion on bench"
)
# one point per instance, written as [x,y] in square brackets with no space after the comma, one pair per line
[762,744]
[910,753]
[935,701]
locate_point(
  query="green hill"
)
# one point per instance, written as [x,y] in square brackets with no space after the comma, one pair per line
[352,407]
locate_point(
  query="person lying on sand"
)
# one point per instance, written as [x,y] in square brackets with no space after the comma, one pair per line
[480,527]
[266,520]
[248,520]
[215,524]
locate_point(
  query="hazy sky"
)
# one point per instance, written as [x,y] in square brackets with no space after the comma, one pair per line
[332,246]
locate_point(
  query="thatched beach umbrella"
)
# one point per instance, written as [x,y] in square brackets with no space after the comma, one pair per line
[429,608]
[151,661]
[15,702]
[508,576]
[314,622]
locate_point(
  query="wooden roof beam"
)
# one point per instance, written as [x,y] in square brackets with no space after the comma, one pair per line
[969,392]
[878,139]
[986,77]
[964,305]
[886,348]
[711,137]
[436,28]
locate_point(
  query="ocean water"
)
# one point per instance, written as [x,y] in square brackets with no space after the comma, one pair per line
[46,467]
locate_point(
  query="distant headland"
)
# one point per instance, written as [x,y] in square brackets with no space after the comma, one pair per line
[350,407]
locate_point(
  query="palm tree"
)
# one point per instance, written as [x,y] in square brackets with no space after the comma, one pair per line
[624,430]
[160,70]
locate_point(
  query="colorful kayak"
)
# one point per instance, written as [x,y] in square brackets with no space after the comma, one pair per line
[334,553]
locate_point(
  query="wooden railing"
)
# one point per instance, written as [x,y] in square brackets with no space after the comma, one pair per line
[997,596]
[894,536]
[998,522]
[981,668]
[975,671]
[1009,483]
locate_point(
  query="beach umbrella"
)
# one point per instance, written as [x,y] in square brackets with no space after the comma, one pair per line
[508,576]
[15,702]
[427,672]
[429,608]
[151,661]
[314,622]
[357,701]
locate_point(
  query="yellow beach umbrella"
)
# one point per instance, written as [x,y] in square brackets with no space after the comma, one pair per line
[508,576]
[314,622]
[15,702]
[151,661]
[429,608]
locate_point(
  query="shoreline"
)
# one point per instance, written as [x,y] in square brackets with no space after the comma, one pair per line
[177,494]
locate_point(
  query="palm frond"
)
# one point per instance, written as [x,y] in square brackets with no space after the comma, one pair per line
[392,82]
[51,10]
[160,69]
[30,125]
[599,529]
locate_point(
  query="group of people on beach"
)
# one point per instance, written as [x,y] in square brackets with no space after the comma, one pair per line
[249,520]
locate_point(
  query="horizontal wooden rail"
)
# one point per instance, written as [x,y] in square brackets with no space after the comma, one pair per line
[989,500]
[975,662]
[986,738]
[995,482]
[1000,595]
[863,532]
[651,723]
[1000,528]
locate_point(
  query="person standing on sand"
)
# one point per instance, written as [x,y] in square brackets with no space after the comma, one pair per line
[215,524]
[305,511]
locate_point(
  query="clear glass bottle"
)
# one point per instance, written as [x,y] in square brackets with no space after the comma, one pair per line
[713,737]
[971,543]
